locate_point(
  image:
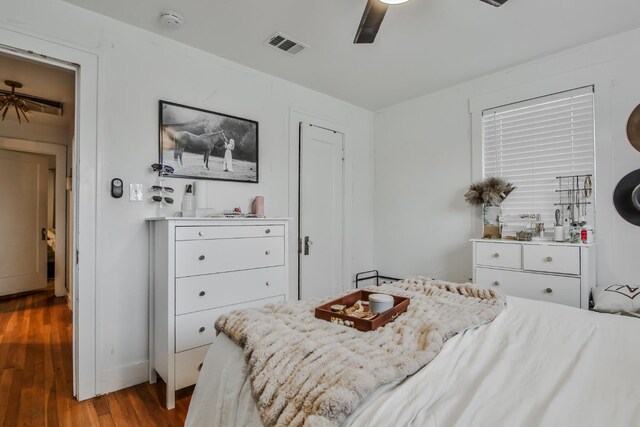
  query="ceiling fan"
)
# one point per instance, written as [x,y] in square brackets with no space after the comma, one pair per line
[374,13]
[22,103]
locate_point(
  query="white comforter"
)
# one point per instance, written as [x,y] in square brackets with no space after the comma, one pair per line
[537,364]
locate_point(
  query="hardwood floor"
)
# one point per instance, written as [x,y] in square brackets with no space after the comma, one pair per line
[36,384]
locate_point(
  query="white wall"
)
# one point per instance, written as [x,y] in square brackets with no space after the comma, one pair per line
[423,158]
[136,69]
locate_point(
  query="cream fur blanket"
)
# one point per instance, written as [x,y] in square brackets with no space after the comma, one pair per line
[310,372]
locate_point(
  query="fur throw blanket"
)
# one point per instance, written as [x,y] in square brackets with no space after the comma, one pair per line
[309,372]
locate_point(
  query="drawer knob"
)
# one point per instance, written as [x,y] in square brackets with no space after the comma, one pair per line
[201,330]
[496,255]
[548,259]
[267,252]
[268,230]
[496,283]
[202,293]
[201,257]
[548,291]
[267,283]
[200,233]
[199,367]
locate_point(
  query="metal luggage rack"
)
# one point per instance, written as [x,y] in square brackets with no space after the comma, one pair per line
[373,274]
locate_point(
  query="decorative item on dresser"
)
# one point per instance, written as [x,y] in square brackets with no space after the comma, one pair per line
[562,273]
[200,269]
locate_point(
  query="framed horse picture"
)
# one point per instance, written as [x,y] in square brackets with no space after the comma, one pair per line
[201,144]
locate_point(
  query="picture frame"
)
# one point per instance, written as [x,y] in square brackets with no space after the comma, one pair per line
[203,144]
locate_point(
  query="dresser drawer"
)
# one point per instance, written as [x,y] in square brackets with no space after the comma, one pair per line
[194,257]
[199,293]
[498,255]
[553,259]
[197,329]
[228,232]
[542,287]
[188,365]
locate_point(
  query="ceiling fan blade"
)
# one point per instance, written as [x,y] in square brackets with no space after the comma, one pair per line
[371,20]
[496,3]
[42,108]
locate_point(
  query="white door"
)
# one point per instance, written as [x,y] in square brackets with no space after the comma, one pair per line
[23,209]
[321,212]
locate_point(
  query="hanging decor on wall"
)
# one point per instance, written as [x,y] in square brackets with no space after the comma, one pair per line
[626,197]
[201,144]
[633,128]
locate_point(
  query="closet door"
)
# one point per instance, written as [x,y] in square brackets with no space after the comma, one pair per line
[321,211]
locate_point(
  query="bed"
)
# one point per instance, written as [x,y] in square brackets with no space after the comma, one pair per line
[536,364]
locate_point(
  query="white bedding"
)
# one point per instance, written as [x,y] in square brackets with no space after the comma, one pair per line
[537,364]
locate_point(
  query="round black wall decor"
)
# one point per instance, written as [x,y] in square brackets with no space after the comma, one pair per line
[626,197]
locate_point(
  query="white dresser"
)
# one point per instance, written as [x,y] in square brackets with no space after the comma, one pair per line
[561,273]
[200,269]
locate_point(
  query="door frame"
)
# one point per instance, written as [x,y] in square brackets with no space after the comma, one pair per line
[60,153]
[297,116]
[86,333]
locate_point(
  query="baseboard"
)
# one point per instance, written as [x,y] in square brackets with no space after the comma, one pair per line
[123,376]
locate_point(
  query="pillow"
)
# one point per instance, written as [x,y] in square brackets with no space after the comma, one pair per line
[616,298]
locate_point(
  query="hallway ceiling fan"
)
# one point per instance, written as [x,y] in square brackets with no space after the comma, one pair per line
[374,13]
[22,103]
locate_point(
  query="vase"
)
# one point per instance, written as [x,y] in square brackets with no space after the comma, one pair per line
[491,221]
[491,215]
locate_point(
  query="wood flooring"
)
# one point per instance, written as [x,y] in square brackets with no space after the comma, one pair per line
[36,383]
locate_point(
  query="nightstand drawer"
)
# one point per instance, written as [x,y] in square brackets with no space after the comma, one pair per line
[199,293]
[195,257]
[188,365]
[228,232]
[499,255]
[542,287]
[197,329]
[552,259]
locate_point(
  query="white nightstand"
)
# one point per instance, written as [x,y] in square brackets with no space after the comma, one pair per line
[562,273]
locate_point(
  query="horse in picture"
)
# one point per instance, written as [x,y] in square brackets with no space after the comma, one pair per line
[204,144]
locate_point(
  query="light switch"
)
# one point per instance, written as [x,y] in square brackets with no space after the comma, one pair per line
[135,193]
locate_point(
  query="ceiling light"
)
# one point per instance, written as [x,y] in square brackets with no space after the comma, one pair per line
[394,1]
[11,101]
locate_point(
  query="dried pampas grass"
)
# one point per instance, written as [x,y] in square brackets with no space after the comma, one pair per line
[490,192]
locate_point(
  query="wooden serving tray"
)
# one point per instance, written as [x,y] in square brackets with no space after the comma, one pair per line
[400,305]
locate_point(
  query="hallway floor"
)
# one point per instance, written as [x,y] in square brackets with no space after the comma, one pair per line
[36,384]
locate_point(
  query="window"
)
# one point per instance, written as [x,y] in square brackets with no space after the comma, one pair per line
[530,143]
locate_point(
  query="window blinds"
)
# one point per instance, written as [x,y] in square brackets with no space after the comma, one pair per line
[530,143]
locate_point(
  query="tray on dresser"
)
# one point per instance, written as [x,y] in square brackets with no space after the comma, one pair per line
[324,312]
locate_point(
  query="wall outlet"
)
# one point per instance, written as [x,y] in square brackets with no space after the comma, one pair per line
[135,193]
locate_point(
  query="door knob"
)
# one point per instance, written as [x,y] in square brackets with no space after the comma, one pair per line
[307,244]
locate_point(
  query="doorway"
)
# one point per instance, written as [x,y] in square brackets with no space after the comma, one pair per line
[320,211]
[82,228]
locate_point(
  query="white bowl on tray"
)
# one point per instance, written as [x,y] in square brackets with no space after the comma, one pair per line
[379,303]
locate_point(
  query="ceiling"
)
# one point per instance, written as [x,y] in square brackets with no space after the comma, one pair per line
[44,81]
[422,46]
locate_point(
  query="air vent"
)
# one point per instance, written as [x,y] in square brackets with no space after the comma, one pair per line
[285,44]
